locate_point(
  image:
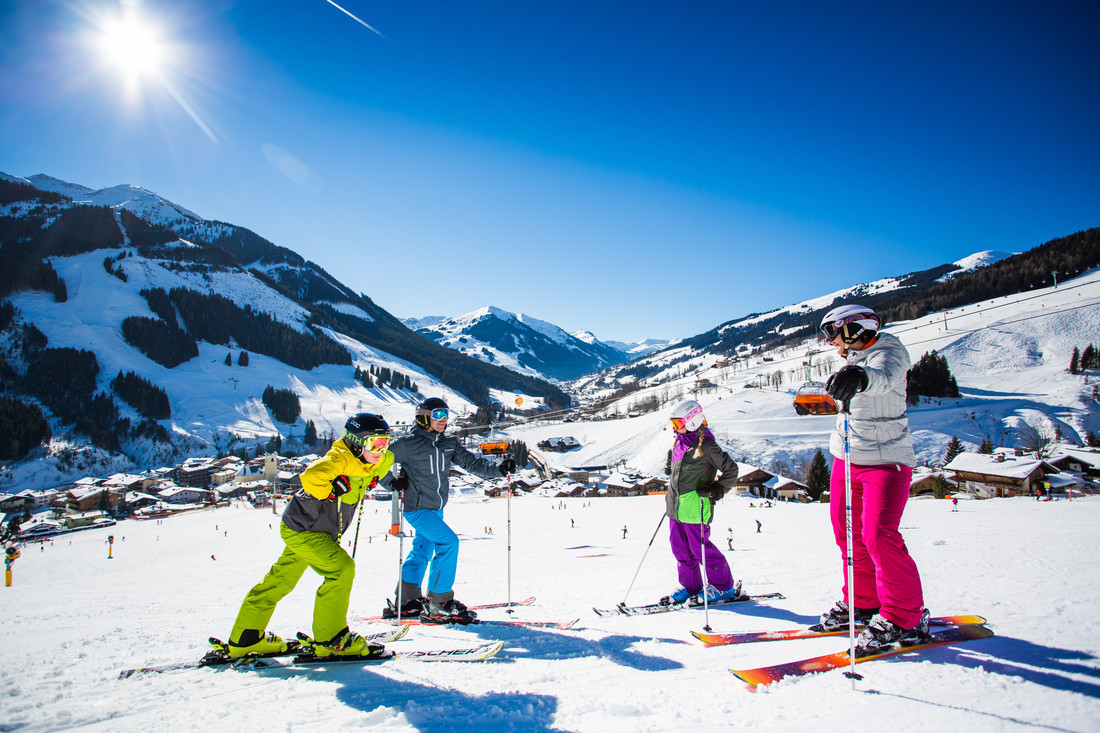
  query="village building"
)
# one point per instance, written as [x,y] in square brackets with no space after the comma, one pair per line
[999,475]
[752,480]
[787,489]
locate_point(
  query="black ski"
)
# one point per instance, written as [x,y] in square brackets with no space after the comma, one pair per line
[624,610]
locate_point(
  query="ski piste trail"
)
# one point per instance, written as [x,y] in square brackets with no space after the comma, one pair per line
[75,619]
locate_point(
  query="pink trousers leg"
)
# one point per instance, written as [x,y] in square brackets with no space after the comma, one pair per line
[885,575]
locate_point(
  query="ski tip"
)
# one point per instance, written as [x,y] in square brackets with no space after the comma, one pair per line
[399,633]
[492,650]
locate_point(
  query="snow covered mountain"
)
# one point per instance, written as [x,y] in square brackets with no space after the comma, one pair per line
[97,285]
[521,343]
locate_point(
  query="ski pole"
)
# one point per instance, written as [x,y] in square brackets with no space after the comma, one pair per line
[509,503]
[655,531]
[851,673]
[358,521]
[703,561]
[397,517]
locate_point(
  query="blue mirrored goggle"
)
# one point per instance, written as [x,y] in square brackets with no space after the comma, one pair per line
[439,413]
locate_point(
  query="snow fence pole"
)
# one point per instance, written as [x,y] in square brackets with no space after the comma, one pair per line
[851,673]
[703,560]
[655,531]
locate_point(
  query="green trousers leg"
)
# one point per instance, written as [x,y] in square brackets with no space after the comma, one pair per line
[303,549]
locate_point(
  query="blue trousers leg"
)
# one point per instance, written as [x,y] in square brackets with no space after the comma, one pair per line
[435,544]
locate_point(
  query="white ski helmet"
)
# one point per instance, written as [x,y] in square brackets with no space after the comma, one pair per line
[689,415]
[851,323]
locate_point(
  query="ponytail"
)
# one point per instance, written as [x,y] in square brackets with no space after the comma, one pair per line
[701,434]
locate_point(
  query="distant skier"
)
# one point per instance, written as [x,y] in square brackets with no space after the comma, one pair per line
[887,593]
[729,539]
[701,474]
[312,524]
[758,525]
[624,531]
[426,455]
[954,503]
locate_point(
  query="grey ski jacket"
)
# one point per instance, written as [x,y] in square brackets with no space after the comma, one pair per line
[878,427]
[427,457]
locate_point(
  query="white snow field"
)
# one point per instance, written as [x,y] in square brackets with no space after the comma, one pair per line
[74,618]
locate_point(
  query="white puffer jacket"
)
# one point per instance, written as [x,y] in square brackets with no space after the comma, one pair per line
[878,426]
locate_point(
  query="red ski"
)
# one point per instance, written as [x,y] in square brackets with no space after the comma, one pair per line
[747,637]
[825,662]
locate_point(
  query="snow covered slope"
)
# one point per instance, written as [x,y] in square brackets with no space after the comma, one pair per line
[1010,357]
[73,619]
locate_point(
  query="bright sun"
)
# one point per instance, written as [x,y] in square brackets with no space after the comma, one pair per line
[131,45]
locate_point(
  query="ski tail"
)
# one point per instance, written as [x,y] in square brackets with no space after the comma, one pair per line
[747,637]
[763,676]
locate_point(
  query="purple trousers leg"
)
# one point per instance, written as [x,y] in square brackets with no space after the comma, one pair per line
[690,544]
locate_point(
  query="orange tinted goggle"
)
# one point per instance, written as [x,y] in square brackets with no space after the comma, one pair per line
[677,423]
[377,443]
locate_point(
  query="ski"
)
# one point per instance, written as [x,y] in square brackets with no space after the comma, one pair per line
[492,622]
[624,610]
[773,673]
[747,637]
[502,604]
[219,655]
[472,654]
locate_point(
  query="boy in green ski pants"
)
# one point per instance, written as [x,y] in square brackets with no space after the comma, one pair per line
[312,524]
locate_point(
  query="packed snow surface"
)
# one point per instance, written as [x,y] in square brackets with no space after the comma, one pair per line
[74,619]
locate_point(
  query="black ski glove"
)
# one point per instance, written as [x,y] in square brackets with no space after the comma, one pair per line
[713,491]
[340,486]
[846,383]
[506,466]
[400,483]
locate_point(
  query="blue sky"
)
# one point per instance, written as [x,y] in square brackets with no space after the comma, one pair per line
[638,169]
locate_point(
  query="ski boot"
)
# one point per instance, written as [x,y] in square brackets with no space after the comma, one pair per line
[449,611]
[411,608]
[714,595]
[254,643]
[836,618]
[346,644]
[882,634]
[680,595]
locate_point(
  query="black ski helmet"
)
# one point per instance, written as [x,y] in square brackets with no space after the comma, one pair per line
[424,411]
[362,426]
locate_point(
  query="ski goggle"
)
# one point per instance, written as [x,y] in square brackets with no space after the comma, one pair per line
[848,328]
[677,423]
[439,413]
[371,443]
[377,443]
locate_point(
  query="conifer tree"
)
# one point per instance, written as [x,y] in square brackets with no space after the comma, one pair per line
[1075,361]
[986,448]
[817,476]
[954,448]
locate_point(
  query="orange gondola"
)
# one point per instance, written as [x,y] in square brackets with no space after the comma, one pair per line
[494,449]
[812,399]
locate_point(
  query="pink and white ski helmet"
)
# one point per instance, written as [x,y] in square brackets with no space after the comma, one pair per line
[688,415]
[850,322]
